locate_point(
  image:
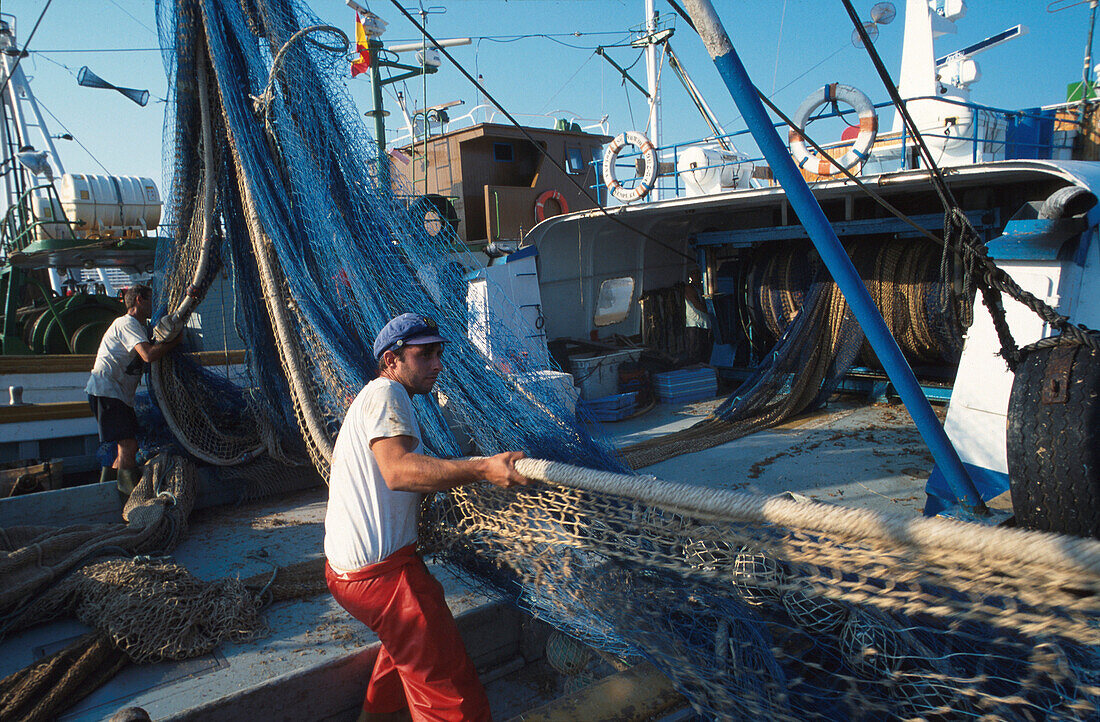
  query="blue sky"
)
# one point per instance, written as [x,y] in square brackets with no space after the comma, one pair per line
[790,47]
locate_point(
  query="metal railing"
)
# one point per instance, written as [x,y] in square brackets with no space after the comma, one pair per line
[20,225]
[486,113]
[989,137]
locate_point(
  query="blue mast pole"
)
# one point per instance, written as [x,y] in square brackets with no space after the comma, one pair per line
[832,253]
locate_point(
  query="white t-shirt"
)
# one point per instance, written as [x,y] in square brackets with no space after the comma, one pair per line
[693,317]
[366,521]
[116,351]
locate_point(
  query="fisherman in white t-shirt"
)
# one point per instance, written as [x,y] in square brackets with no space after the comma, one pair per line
[379,474]
[119,363]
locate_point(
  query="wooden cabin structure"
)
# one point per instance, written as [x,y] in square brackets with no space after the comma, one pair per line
[492,184]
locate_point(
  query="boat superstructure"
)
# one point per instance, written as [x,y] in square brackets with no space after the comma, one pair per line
[1025,179]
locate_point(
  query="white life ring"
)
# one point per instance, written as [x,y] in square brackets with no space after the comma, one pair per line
[860,150]
[649,156]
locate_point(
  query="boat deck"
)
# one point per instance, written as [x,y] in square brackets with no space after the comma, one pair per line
[314,660]
[850,453]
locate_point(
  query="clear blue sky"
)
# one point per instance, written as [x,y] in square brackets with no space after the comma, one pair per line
[790,47]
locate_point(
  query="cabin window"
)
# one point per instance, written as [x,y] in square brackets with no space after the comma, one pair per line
[503,152]
[574,160]
[613,301]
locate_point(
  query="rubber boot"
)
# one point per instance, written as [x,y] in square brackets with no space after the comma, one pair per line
[108,473]
[127,480]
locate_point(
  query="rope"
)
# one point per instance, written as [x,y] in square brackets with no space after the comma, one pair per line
[1071,555]
[262,102]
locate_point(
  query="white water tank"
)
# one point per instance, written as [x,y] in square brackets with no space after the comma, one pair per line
[712,170]
[106,206]
[47,209]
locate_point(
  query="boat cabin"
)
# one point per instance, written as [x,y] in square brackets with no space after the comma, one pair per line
[491,184]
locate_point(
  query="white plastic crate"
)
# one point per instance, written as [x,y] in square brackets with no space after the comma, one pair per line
[598,373]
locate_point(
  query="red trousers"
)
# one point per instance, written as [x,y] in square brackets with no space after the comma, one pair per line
[423,662]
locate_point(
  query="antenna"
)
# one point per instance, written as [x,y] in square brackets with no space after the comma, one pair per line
[881,14]
[88,79]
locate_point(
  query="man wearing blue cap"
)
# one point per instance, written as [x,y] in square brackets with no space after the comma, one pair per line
[379,474]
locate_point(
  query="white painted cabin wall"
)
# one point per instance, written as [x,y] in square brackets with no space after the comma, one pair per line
[978,416]
[570,274]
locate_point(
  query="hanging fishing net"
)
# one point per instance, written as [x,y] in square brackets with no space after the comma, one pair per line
[276,180]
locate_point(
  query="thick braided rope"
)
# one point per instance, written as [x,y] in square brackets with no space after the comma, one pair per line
[1075,557]
[997,279]
[305,408]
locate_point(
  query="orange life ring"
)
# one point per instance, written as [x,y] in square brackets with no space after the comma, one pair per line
[540,204]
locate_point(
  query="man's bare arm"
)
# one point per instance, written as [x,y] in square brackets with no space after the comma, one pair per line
[151,352]
[405,470]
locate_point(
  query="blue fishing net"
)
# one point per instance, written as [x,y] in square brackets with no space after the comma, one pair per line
[297,172]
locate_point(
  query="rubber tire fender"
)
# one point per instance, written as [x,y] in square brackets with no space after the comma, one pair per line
[1054,448]
[441,206]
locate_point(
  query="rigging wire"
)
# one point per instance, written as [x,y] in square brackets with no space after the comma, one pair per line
[55,51]
[629,106]
[133,17]
[567,82]
[557,164]
[778,45]
[75,139]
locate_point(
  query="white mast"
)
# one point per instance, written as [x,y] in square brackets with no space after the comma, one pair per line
[651,84]
[16,95]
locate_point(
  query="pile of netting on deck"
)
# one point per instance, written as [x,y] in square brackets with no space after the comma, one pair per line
[778,609]
[756,609]
[796,319]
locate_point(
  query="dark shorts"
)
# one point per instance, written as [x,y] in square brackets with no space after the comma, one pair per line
[117,420]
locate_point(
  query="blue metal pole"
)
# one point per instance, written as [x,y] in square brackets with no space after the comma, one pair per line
[832,253]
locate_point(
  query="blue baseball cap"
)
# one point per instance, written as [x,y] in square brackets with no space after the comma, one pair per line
[408,329]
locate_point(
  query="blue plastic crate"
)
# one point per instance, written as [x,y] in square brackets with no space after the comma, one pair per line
[611,408]
[684,385]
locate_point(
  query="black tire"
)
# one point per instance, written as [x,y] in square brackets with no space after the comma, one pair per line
[436,213]
[1054,448]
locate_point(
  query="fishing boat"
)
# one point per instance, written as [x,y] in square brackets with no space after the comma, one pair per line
[71,243]
[587,554]
[1025,180]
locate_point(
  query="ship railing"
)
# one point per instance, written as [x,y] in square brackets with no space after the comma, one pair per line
[991,134]
[21,226]
[486,113]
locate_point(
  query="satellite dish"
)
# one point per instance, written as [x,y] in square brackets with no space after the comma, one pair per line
[872,32]
[883,13]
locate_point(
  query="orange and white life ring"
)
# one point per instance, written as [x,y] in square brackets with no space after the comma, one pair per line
[540,204]
[649,174]
[860,150]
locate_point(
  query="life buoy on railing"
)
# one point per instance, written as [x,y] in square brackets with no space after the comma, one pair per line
[649,174]
[540,204]
[860,150]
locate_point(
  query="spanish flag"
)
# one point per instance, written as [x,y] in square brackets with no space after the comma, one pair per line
[362,63]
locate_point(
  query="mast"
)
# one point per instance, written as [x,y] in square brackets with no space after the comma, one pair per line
[651,83]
